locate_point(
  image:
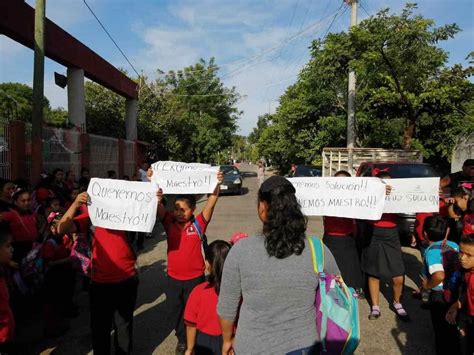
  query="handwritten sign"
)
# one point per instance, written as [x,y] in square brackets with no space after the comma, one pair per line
[412,195]
[185,178]
[122,205]
[361,198]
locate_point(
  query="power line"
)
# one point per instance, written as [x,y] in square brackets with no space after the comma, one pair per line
[111,38]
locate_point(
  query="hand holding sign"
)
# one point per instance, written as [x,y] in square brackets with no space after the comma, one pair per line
[122,205]
[185,178]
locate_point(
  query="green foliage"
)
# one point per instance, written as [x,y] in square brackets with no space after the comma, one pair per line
[189,114]
[105,111]
[406,95]
[16,102]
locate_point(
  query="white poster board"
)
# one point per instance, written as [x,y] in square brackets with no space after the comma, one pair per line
[185,178]
[358,197]
[122,205]
[412,195]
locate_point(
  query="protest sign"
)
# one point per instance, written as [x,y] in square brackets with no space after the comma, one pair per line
[122,205]
[412,195]
[185,178]
[361,198]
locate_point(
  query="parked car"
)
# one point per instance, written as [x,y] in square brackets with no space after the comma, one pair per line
[233,179]
[401,170]
[306,170]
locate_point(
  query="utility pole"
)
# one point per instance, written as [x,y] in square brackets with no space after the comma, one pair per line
[351,96]
[38,92]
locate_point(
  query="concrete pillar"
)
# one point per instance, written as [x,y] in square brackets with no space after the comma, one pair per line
[76,98]
[131,112]
[121,158]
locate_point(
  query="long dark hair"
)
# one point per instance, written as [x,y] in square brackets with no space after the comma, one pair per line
[285,227]
[216,253]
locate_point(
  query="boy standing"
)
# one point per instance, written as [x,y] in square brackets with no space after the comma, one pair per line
[437,272]
[462,311]
[185,237]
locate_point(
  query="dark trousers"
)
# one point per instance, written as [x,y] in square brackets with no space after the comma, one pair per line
[112,307]
[446,335]
[176,296]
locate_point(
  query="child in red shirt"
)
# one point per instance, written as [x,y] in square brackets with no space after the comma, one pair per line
[23,224]
[383,258]
[185,236]
[7,322]
[462,312]
[203,330]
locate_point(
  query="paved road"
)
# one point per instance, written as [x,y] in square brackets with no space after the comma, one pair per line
[153,333]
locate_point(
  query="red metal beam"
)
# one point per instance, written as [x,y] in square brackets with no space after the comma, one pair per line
[17,22]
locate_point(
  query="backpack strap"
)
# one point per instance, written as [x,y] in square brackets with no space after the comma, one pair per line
[317,252]
[201,235]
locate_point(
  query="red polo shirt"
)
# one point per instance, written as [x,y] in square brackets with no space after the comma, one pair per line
[468,224]
[469,280]
[57,249]
[7,322]
[420,220]
[185,260]
[113,259]
[22,225]
[337,226]
[201,310]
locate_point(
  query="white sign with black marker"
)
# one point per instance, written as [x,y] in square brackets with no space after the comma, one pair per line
[412,195]
[122,205]
[361,198]
[185,178]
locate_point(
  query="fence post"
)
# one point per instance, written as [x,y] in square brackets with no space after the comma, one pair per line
[121,158]
[85,151]
[17,149]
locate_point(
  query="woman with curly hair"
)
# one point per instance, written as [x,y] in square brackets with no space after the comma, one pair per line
[274,275]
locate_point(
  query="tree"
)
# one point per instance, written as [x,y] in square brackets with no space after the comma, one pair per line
[16,102]
[406,95]
[105,111]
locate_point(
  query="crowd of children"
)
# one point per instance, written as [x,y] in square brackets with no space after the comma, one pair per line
[47,240]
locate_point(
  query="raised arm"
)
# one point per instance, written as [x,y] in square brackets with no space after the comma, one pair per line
[161,211]
[66,224]
[212,198]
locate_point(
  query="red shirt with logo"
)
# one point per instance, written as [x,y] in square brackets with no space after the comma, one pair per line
[185,260]
[200,311]
[7,322]
[338,226]
[113,259]
[22,225]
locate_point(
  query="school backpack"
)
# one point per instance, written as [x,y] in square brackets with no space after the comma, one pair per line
[32,268]
[452,272]
[337,309]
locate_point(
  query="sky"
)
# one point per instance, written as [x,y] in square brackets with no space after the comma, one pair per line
[259,45]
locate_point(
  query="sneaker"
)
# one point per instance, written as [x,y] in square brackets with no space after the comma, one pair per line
[180,349]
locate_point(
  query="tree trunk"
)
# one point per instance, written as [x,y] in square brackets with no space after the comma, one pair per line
[408,134]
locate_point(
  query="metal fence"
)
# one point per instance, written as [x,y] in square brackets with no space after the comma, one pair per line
[61,149]
[103,155]
[5,165]
[129,162]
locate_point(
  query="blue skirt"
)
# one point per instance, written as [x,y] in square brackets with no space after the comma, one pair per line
[208,344]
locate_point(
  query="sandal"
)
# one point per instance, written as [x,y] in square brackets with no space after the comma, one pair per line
[374,313]
[400,311]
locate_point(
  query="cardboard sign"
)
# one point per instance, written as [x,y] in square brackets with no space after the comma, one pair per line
[122,205]
[361,198]
[185,178]
[412,195]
